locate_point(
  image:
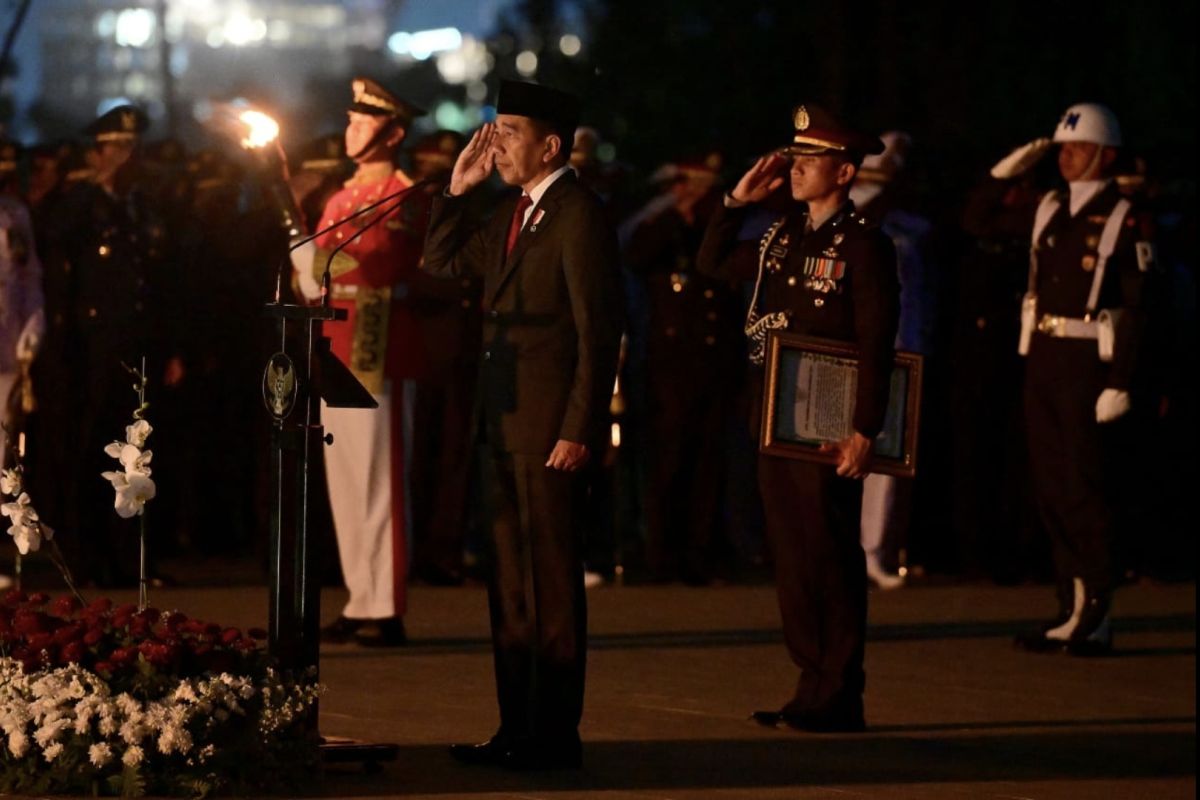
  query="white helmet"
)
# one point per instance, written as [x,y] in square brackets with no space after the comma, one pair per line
[1089,122]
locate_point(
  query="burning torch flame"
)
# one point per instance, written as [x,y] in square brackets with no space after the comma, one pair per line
[261,130]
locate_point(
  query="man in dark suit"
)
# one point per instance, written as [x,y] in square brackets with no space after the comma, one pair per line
[821,272]
[552,324]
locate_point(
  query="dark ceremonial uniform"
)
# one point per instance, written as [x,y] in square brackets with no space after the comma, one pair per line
[838,282]
[693,347]
[551,332]
[111,296]
[1073,458]
[448,313]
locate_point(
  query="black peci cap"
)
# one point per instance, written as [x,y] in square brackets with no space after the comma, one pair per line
[557,108]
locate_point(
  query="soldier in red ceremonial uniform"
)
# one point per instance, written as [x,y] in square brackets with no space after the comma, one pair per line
[380,342]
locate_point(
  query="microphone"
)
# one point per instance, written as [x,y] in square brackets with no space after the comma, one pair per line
[402,193]
[401,197]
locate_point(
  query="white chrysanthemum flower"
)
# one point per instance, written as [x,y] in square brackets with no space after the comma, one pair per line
[137,433]
[100,754]
[133,756]
[18,743]
[52,752]
[50,730]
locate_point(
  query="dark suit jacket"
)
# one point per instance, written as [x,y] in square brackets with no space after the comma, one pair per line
[552,314]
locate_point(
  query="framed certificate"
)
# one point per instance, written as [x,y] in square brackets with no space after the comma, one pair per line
[808,400]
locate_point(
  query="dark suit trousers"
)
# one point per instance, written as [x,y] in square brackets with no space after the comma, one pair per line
[820,575]
[536,598]
[1072,458]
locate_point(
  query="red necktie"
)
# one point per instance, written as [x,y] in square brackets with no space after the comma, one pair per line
[518,221]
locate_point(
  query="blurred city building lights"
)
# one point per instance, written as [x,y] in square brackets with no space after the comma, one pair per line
[527,63]
[468,63]
[133,27]
[570,45]
[422,44]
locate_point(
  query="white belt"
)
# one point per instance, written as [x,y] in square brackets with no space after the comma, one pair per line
[1068,327]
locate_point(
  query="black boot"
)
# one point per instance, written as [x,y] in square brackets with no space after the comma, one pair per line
[1093,634]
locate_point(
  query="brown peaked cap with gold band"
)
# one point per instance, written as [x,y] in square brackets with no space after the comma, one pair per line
[123,123]
[371,98]
[819,132]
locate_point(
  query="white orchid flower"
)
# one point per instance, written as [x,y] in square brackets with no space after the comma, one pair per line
[28,538]
[135,460]
[10,482]
[137,433]
[132,497]
[113,449]
[19,509]
[117,479]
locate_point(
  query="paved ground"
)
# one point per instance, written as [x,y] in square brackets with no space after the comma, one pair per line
[953,711]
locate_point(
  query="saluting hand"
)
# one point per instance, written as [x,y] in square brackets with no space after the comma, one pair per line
[760,180]
[476,162]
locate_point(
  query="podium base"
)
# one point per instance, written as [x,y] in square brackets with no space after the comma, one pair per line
[341,750]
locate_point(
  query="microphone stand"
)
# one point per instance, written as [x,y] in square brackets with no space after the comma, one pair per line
[367,209]
[315,374]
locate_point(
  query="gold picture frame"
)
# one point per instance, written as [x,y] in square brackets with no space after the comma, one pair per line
[808,399]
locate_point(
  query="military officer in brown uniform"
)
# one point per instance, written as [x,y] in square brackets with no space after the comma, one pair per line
[551,331]
[693,362]
[821,272]
[112,297]
[1081,327]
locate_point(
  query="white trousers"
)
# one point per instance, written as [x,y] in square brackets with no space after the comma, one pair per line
[366,470]
[878,505]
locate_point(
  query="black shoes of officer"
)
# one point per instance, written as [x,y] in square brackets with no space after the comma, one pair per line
[386,632]
[1082,629]
[841,716]
[521,754]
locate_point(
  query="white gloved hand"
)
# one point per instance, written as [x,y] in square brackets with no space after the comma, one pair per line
[1021,159]
[31,336]
[302,262]
[1111,404]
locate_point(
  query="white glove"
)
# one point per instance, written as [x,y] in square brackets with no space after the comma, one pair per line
[302,262]
[1111,404]
[1021,159]
[31,336]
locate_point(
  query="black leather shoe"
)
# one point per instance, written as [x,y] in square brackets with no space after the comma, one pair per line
[491,752]
[530,756]
[341,630]
[386,632]
[836,721]
[1038,642]
[768,719]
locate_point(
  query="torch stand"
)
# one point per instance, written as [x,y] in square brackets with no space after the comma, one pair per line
[294,385]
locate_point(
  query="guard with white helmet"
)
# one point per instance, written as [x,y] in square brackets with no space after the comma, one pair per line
[1081,323]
